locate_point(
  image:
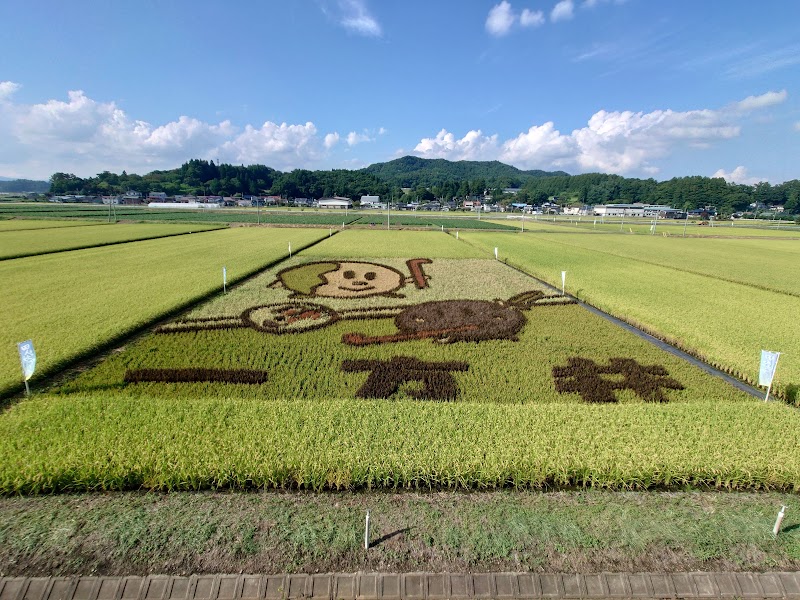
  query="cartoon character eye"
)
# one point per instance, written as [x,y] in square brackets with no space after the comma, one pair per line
[370,276]
[349,274]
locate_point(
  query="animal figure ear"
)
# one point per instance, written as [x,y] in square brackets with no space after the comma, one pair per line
[276,284]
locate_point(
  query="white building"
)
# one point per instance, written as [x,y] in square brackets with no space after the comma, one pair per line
[371,202]
[335,203]
[577,209]
[630,210]
[172,205]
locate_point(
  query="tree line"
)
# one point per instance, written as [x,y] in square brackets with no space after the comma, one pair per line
[412,178]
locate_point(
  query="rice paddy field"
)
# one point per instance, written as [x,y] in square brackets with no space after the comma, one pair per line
[264,216]
[640,226]
[7,224]
[693,293]
[19,243]
[388,360]
[73,303]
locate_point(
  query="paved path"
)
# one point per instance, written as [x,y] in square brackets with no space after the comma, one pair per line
[407,586]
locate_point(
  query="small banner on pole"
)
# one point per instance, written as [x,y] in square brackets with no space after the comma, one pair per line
[563,281]
[495,253]
[224,279]
[769,362]
[27,356]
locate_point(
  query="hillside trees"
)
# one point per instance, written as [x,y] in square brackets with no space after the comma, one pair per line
[436,178]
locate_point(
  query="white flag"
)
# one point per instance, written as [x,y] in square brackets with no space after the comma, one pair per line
[769,362]
[563,279]
[224,276]
[27,356]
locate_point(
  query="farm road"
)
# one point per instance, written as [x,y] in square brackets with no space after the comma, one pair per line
[407,586]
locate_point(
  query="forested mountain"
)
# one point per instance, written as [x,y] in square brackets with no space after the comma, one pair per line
[429,179]
[411,171]
[23,185]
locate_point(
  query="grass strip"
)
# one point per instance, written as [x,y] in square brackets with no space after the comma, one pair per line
[212,532]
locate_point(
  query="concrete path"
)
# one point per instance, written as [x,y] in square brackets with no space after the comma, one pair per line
[407,586]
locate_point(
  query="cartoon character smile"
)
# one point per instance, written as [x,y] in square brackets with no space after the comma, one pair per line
[351,279]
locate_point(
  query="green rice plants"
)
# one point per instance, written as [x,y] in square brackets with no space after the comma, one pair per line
[249,376]
[16,244]
[73,303]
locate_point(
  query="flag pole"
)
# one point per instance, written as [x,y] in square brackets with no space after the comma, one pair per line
[775,368]
[769,387]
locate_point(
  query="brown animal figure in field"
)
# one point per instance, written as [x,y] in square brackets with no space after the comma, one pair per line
[448,321]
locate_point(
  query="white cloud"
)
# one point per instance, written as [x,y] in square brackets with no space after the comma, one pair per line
[473,146]
[356,18]
[500,19]
[354,138]
[797,126]
[762,101]
[623,142]
[367,135]
[738,175]
[562,11]
[530,18]
[84,136]
[290,145]
[331,140]
[542,144]
[7,89]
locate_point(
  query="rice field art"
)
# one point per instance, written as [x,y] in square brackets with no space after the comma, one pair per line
[425,371]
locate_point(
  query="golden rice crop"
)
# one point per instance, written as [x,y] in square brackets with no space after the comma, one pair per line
[100,442]
[15,244]
[725,323]
[73,302]
[356,243]
[31,224]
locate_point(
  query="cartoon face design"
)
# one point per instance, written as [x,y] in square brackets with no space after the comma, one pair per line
[358,280]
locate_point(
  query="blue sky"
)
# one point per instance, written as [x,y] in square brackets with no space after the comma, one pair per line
[642,88]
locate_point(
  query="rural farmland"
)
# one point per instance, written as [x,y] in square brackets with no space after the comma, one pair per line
[385,360]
